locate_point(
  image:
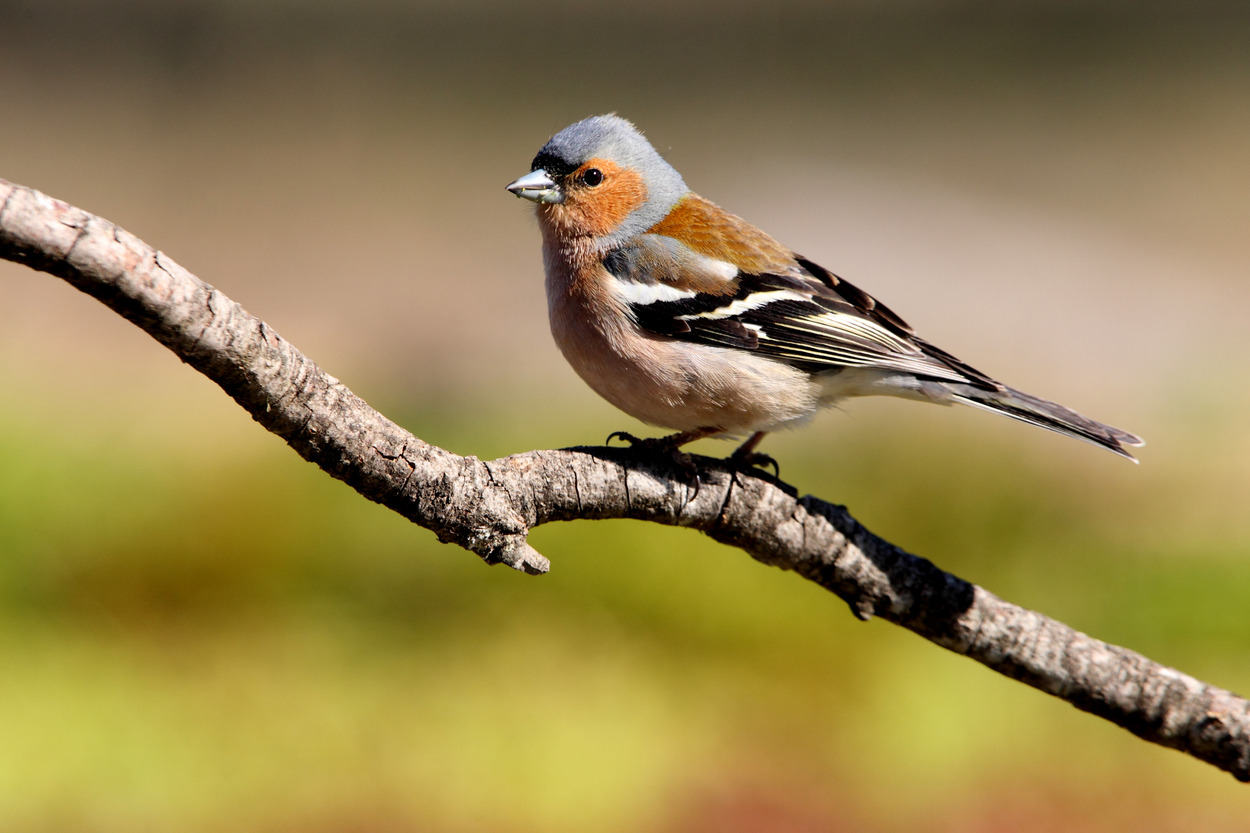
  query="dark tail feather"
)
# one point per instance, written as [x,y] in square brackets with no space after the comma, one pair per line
[1045,414]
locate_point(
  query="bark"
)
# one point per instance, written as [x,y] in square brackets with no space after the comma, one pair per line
[490,507]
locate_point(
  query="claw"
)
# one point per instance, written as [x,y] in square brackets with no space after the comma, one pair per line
[624,436]
[685,462]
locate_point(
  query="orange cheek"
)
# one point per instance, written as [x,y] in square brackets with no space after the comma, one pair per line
[598,211]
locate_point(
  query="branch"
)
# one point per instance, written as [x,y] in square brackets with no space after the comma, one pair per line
[490,507]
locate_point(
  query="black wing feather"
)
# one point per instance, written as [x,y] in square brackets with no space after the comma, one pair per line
[809,318]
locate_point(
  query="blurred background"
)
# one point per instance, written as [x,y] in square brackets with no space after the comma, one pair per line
[201,632]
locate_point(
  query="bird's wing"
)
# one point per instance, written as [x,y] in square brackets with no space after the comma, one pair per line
[770,301]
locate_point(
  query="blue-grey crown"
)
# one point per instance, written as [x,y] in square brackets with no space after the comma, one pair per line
[614,138]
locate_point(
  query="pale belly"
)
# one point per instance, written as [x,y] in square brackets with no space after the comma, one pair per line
[684,386]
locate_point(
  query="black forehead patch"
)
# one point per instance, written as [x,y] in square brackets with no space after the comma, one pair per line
[554,165]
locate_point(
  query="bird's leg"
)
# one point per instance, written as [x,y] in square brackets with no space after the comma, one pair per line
[746,455]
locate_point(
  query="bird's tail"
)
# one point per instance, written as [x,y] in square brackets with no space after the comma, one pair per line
[1041,412]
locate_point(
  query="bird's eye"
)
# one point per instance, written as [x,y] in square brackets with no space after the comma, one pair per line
[592,177]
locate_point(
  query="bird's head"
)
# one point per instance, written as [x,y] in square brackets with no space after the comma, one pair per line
[600,178]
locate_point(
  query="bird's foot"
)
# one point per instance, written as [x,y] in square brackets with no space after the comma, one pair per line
[668,447]
[747,457]
[756,460]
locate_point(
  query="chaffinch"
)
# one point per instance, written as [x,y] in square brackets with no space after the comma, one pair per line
[689,318]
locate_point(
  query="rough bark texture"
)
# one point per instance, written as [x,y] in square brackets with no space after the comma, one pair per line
[489,507]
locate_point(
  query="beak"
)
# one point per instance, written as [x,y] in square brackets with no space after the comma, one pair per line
[537,186]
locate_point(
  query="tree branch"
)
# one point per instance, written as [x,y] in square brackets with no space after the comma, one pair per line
[490,507]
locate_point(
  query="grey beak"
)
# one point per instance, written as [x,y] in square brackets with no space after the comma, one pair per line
[538,187]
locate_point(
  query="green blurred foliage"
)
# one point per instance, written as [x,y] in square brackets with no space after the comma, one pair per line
[217,635]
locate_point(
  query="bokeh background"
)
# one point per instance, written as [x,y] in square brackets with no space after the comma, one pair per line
[201,632]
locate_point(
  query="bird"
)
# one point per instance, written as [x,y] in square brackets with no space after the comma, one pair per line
[691,319]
